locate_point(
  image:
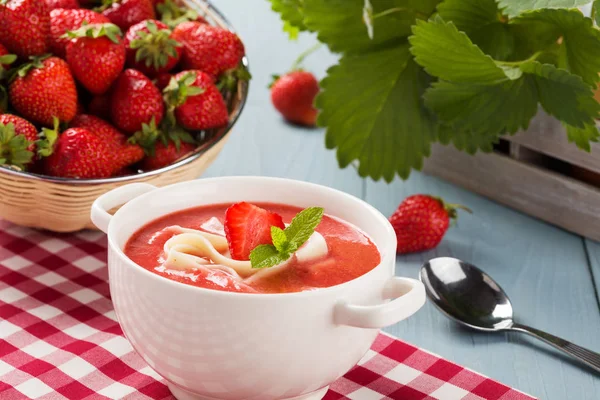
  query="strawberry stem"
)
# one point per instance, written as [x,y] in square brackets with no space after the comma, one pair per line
[298,63]
[154,47]
[96,31]
[173,14]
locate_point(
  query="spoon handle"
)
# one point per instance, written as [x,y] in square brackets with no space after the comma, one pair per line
[588,357]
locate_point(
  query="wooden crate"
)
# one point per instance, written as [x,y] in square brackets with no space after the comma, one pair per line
[537,172]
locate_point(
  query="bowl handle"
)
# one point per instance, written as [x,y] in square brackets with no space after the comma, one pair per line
[116,197]
[407,297]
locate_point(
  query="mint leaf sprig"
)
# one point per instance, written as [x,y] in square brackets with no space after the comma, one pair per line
[287,241]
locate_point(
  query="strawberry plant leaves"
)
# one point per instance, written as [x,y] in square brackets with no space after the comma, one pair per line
[449,54]
[515,7]
[340,24]
[563,95]
[484,109]
[291,15]
[579,51]
[468,141]
[583,136]
[377,118]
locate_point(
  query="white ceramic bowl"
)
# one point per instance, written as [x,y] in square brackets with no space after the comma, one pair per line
[218,345]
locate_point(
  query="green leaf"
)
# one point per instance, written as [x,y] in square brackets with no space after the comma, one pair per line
[291,13]
[563,95]
[302,227]
[377,118]
[583,136]
[468,141]
[485,109]
[340,25]
[515,7]
[595,13]
[579,52]
[469,15]
[266,256]
[280,240]
[449,54]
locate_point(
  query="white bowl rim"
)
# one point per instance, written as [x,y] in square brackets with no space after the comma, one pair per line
[385,249]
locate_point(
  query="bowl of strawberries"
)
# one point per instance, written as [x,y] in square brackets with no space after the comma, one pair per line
[98,94]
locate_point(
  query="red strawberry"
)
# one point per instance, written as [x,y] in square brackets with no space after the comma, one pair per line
[70,4]
[100,106]
[174,13]
[128,153]
[17,141]
[125,13]
[44,89]
[164,155]
[96,56]
[25,27]
[62,21]
[162,80]
[81,154]
[421,221]
[208,48]
[135,101]
[248,226]
[293,95]
[196,101]
[150,48]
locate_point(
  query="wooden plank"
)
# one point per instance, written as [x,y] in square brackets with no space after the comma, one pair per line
[548,136]
[554,198]
[593,253]
[543,269]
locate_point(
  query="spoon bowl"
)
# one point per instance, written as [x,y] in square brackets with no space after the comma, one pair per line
[469,296]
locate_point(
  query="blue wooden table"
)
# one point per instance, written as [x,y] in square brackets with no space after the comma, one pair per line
[548,273]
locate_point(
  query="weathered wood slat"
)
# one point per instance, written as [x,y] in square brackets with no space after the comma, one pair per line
[554,198]
[548,136]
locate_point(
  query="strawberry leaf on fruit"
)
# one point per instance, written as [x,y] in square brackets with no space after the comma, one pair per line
[515,7]
[287,242]
[579,50]
[340,24]
[377,118]
[291,14]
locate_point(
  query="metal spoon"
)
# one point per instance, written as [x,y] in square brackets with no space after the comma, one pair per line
[470,297]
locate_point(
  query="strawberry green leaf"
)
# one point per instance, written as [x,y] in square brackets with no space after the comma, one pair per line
[302,227]
[291,12]
[449,54]
[595,14]
[340,24]
[583,136]
[377,118]
[562,94]
[13,147]
[515,7]
[266,256]
[579,52]
[486,109]
[468,141]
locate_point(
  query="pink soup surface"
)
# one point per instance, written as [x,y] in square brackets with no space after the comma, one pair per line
[350,254]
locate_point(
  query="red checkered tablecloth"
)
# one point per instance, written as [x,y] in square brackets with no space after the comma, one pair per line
[59,338]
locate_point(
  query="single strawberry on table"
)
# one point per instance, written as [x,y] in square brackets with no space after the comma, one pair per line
[196,101]
[248,226]
[293,95]
[25,27]
[64,20]
[151,49]
[125,13]
[96,56]
[17,141]
[135,101]
[70,4]
[44,89]
[208,48]
[421,221]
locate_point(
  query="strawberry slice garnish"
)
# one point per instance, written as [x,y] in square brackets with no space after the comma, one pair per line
[248,226]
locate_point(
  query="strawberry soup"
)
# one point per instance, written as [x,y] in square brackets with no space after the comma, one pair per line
[212,247]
